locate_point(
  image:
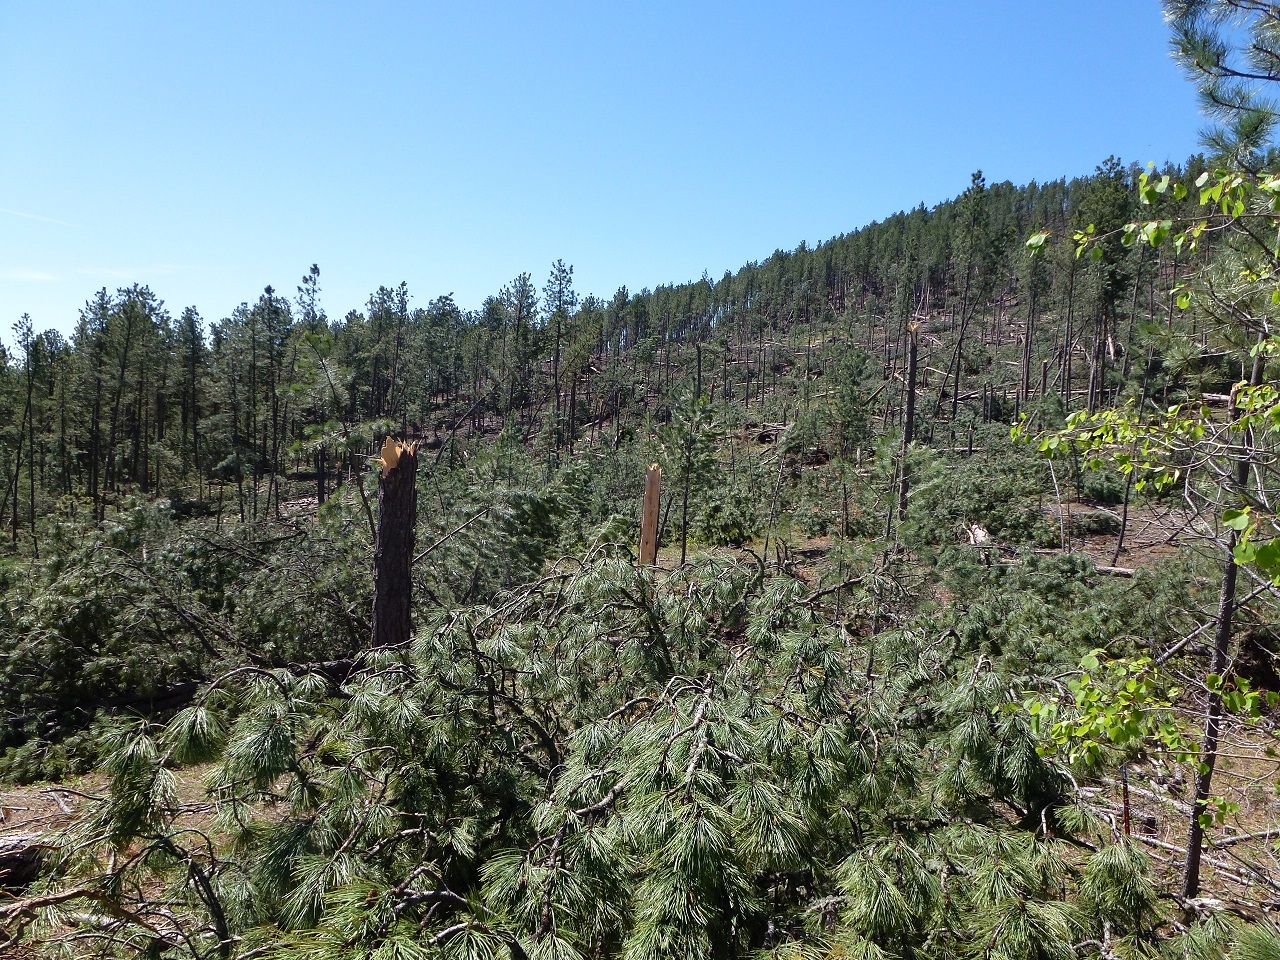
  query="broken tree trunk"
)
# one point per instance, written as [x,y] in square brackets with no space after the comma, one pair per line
[393,551]
[649,515]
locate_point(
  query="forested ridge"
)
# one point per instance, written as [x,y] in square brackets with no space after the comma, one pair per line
[137,399]
[960,640]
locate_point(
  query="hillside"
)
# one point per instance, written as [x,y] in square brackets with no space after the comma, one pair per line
[900,684]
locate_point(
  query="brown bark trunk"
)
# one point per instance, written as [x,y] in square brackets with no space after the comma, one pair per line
[393,551]
[1027,352]
[1220,665]
[1213,722]
[649,516]
[909,421]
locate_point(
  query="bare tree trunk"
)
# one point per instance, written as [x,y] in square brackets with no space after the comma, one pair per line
[649,516]
[1066,338]
[572,427]
[30,418]
[320,472]
[909,420]
[393,550]
[1220,664]
[1212,726]
[1027,351]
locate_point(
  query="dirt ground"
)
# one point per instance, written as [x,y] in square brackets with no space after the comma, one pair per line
[44,808]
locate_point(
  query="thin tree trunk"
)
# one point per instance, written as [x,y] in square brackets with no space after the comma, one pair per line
[110,478]
[1030,331]
[1066,340]
[1221,649]
[30,417]
[909,420]
[1212,725]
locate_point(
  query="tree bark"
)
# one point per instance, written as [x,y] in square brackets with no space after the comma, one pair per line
[1221,663]
[1213,723]
[909,421]
[649,516]
[393,550]
[1027,351]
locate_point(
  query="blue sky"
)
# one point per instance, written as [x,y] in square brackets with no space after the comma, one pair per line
[208,150]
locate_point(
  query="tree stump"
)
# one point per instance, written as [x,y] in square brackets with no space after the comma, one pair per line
[393,551]
[649,516]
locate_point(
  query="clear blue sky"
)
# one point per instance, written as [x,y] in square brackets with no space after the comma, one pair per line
[209,149]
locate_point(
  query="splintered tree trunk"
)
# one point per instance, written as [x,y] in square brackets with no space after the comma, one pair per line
[649,516]
[393,551]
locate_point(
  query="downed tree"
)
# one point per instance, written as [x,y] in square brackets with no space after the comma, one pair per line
[20,858]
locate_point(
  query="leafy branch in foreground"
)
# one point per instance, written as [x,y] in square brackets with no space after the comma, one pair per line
[1225,459]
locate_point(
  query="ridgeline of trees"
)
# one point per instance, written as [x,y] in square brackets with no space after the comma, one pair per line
[227,413]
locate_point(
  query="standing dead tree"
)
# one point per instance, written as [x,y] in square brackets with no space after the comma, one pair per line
[649,516]
[393,549]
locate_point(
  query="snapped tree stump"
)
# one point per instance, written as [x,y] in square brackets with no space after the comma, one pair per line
[649,516]
[393,549]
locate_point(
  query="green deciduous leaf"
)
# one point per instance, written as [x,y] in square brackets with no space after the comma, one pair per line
[1236,518]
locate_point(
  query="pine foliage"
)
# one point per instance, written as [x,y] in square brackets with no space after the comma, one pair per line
[608,764]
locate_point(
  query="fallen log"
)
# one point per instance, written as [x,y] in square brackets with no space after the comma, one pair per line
[20,857]
[1106,571]
[1116,571]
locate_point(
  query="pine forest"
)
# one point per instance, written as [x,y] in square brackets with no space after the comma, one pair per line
[911,595]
